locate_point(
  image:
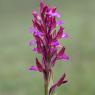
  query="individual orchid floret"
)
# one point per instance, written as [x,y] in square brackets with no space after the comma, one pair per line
[57,84]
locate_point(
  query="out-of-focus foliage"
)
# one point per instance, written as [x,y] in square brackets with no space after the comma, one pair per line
[16,56]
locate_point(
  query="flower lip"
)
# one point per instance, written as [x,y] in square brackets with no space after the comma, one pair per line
[34,68]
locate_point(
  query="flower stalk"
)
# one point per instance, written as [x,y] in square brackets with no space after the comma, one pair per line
[46,88]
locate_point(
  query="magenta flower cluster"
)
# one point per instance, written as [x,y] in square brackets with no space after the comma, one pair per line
[46,41]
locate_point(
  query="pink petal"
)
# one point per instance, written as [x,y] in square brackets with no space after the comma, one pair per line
[34,68]
[52,89]
[41,4]
[62,55]
[53,58]
[59,23]
[35,49]
[38,33]
[31,29]
[65,57]
[61,52]
[39,65]
[60,32]
[32,43]
[34,13]
[54,14]
[57,84]
[65,35]
[55,43]
[60,81]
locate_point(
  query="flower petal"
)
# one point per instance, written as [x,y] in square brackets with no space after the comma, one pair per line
[34,13]
[65,35]
[35,49]
[52,89]
[54,14]
[61,80]
[55,43]
[37,33]
[41,5]
[65,57]
[60,32]
[39,65]
[53,58]
[34,68]
[59,23]
[57,84]
[32,43]
[61,52]
[31,29]
[62,55]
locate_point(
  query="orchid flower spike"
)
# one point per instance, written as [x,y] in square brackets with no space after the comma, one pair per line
[46,43]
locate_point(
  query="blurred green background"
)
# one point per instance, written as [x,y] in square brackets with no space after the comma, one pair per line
[16,56]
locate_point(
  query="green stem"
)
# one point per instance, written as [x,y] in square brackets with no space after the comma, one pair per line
[51,82]
[46,88]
